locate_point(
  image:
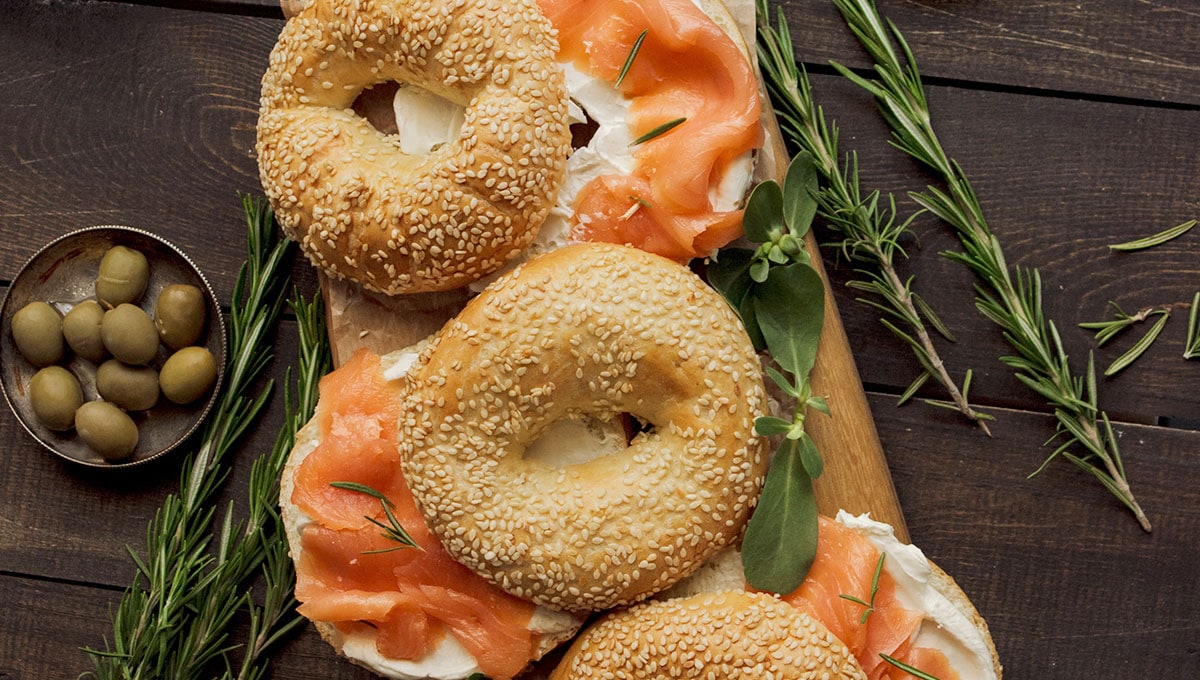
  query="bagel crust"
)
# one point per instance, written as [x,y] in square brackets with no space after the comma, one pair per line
[731,635]
[598,330]
[394,222]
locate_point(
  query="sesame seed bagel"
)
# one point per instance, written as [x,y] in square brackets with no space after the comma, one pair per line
[600,330]
[403,223]
[728,635]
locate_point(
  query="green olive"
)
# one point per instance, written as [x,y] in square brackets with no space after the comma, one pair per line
[128,333]
[187,374]
[81,328]
[133,388]
[38,334]
[179,315]
[106,429]
[54,394]
[123,276]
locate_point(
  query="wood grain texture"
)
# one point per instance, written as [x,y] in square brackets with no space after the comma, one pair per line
[1059,180]
[1137,49]
[1070,586]
[99,129]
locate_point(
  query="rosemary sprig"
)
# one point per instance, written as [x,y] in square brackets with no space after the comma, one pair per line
[263,534]
[1157,239]
[633,52]
[393,530]
[1191,346]
[870,230]
[169,623]
[869,607]
[1012,298]
[780,299]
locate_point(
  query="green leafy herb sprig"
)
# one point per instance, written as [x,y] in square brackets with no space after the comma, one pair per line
[870,229]
[868,606]
[781,300]
[174,621]
[393,530]
[1010,297]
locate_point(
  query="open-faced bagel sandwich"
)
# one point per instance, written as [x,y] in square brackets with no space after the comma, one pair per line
[870,607]
[519,126]
[520,533]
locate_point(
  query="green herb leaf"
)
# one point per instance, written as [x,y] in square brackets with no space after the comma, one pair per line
[763,217]
[659,131]
[809,456]
[769,426]
[915,672]
[789,307]
[729,274]
[1155,240]
[782,381]
[1122,362]
[633,51]
[1191,347]
[800,194]
[781,541]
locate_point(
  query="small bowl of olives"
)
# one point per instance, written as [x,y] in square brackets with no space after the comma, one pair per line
[113,346]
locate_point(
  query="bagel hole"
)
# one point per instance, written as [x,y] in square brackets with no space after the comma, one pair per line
[582,133]
[579,439]
[417,120]
[375,105]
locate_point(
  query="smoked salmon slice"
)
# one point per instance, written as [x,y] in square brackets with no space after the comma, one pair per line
[687,68]
[409,598]
[845,565]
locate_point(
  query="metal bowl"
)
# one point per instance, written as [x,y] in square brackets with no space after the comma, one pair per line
[63,274]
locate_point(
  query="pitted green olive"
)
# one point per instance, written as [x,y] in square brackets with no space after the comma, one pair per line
[81,328]
[54,394]
[179,315]
[187,374]
[128,333]
[38,333]
[123,276]
[106,429]
[133,388]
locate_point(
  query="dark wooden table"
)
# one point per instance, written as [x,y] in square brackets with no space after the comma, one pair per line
[1078,122]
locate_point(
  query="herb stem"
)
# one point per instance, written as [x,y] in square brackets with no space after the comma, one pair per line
[869,234]
[1012,298]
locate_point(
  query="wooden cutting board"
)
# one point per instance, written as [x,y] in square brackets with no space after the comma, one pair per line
[856,476]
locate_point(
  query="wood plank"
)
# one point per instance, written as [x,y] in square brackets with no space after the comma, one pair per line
[99,130]
[1069,585]
[1059,180]
[1108,48]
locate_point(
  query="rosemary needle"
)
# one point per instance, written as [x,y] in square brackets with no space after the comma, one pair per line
[1192,344]
[1157,239]
[633,52]
[659,131]
[1120,363]
[1010,297]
